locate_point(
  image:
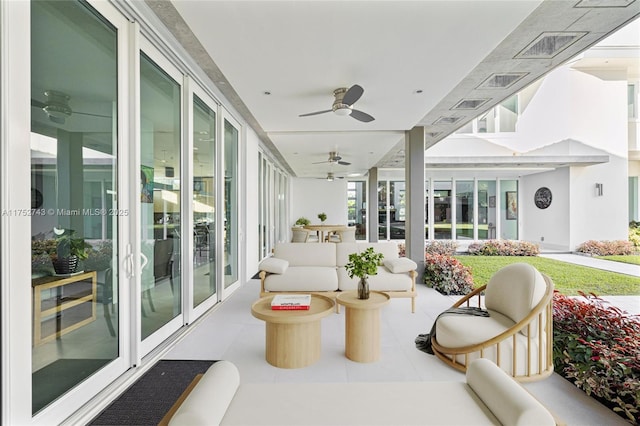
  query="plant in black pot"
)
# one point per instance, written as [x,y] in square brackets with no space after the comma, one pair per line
[69,251]
[362,265]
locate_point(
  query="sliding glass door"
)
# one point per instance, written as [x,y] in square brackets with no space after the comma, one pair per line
[160,195]
[75,211]
[231,208]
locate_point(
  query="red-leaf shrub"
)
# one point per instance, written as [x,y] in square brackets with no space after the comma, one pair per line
[447,247]
[597,347]
[447,275]
[503,248]
[606,248]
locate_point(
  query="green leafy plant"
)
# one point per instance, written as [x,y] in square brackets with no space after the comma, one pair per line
[597,348]
[67,245]
[447,275]
[322,217]
[303,221]
[363,264]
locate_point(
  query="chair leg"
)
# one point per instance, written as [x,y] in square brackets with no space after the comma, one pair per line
[107,317]
[153,308]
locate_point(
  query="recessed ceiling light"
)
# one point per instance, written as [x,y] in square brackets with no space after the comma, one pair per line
[266,92]
[470,103]
[447,120]
[418,91]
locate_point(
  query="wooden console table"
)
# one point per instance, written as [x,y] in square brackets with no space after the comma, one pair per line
[67,292]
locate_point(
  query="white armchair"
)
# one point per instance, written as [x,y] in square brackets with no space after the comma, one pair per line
[518,333]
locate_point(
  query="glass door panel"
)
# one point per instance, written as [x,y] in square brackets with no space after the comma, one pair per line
[383,209]
[397,210]
[204,219]
[486,209]
[231,140]
[75,215]
[509,211]
[160,206]
[464,210]
[442,210]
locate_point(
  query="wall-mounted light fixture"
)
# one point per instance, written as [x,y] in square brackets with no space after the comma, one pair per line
[599,190]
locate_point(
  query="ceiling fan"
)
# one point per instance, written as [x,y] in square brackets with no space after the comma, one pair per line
[57,108]
[343,104]
[334,158]
[331,177]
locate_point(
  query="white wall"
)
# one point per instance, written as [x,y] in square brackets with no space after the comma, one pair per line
[551,223]
[312,196]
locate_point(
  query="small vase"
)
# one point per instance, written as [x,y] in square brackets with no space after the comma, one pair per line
[363,289]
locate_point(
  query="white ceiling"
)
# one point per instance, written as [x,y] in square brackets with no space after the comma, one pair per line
[300,51]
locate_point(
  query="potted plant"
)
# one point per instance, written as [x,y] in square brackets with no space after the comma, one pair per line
[68,251]
[362,265]
[322,217]
[302,221]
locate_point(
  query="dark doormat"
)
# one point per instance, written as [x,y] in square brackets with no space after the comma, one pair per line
[58,377]
[152,395]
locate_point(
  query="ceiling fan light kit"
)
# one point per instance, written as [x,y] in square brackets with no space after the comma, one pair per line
[57,106]
[343,104]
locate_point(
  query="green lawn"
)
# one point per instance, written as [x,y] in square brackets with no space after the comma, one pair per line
[567,278]
[634,260]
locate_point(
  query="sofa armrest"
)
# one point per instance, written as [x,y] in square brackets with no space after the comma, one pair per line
[207,403]
[505,397]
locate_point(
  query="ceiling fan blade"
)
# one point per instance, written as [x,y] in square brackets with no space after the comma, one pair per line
[315,113]
[361,116]
[91,114]
[353,94]
[344,163]
[59,120]
[37,104]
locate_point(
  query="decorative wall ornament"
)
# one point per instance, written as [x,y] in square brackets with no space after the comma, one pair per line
[542,198]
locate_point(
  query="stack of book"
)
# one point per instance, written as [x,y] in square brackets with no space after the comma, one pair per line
[291,302]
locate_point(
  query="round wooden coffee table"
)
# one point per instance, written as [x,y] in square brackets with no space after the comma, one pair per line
[293,337]
[362,324]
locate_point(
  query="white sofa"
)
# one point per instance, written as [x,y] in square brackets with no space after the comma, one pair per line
[319,268]
[488,397]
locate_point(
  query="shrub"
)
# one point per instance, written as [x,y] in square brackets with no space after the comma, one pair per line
[503,248]
[445,247]
[606,248]
[597,347]
[447,275]
[634,235]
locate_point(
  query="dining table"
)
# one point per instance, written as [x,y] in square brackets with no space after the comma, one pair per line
[323,230]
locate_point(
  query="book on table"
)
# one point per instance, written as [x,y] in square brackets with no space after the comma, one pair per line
[291,302]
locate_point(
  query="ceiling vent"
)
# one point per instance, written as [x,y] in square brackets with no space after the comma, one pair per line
[470,103]
[433,134]
[447,120]
[502,81]
[548,45]
[604,3]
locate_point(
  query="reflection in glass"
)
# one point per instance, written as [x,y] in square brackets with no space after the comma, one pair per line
[160,205]
[486,209]
[357,207]
[464,210]
[442,210]
[230,204]
[383,217]
[204,149]
[74,224]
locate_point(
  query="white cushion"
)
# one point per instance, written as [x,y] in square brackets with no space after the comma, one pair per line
[400,265]
[297,254]
[382,281]
[388,249]
[304,278]
[274,265]
[506,398]
[208,402]
[514,291]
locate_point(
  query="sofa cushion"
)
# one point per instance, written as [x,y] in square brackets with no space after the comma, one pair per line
[506,398]
[514,291]
[308,254]
[274,265]
[304,278]
[400,265]
[208,402]
[383,281]
[388,249]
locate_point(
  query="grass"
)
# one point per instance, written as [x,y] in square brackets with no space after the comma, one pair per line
[567,278]
[634,260]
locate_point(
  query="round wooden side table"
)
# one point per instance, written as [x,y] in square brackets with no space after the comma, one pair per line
[293,337]
[362,324]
